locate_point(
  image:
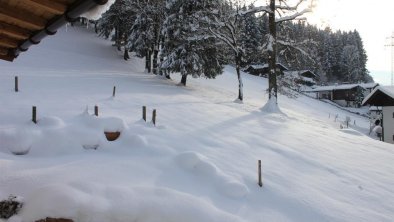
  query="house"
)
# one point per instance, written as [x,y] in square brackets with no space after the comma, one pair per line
[263,69]
[384,97]
[303,77]
[344,95]
[25,23]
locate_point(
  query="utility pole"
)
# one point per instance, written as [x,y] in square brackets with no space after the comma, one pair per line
[391,45]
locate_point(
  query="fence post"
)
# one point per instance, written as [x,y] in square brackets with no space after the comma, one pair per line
[260,182]
[154,117]
[34,115]
[96,110]
[144,113]
[114,91]
[16,84]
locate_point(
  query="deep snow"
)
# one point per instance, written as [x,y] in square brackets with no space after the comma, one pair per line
[199,163]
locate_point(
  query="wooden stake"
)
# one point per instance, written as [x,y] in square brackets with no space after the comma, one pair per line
[113,91]
[144,113]
[34,115]
[259,174]
[16,84]
[96,110]
[154,117]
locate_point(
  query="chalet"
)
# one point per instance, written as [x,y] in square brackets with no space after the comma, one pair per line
[384,97]
[344,95]
[303,77]
[262,70]
[24,23]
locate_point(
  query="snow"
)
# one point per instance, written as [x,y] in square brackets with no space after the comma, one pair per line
[199,163]
[343,86]
[96,12]
[388,90]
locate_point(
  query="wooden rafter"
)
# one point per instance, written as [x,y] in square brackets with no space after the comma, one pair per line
[7,58]
[25,18]
[49,5]
[3,51]
[8,42]
[14,31]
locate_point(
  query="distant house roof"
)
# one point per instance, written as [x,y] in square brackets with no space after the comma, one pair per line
[26,22]
[304,73]
[343,87]
[265,66]
[380,96]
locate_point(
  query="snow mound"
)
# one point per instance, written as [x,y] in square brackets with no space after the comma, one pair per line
[51,122]
[114,203]
[199,165]
[19,140]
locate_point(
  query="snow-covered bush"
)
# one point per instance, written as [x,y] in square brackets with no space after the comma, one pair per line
[10,207]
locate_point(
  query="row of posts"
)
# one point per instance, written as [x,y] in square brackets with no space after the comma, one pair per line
[34,114]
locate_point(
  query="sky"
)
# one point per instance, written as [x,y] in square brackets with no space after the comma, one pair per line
[374,26]
[374,20]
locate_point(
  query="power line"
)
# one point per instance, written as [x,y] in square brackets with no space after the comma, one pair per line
[391,45]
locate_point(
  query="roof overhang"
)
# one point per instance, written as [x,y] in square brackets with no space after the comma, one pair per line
[379,97]
[24,23]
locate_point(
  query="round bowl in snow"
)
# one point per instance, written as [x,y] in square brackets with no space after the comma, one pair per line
[112,136]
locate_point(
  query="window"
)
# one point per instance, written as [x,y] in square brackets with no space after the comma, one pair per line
[393,115]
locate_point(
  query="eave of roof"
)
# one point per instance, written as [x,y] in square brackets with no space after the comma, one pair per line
[26,22]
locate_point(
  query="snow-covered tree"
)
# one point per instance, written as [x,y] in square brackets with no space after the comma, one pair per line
[188,49]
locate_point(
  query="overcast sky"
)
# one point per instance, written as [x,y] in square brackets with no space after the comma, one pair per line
[373,19]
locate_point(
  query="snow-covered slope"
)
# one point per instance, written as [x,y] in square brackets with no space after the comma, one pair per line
[199,163]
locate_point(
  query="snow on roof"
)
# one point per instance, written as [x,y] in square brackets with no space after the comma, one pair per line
[335,87]
[262,66]
[369,85]
[96,12]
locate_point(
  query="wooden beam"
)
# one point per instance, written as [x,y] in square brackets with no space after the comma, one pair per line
[50,6]
[3,51]
[8,42]
[14,31]
[25,18]
[7,58]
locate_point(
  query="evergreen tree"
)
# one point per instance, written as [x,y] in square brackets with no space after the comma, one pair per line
[187,40]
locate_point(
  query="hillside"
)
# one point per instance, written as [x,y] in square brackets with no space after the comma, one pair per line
[199,163]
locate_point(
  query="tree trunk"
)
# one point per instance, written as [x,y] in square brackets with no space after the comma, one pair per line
[183,80]
[272,84]
[149,61]
[95,27]
[155,55]
[126,54]
[240,84]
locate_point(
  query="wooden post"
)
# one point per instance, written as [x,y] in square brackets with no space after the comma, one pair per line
[144,113]
[113,91]
[34,115]
[259,174]
[96,110]
[354,122]
[154,117]
[16,84]
[329,115]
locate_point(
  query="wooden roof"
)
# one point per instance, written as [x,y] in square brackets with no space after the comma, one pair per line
[26,22]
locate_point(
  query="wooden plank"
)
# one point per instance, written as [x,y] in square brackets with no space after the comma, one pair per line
[7,58]
[13,31]
[50,6]
[8,42]
[23,17]
[3,51]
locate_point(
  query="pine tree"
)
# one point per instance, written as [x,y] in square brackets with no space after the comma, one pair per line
[187,41]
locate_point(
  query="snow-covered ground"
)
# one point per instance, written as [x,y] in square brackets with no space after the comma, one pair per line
[199,163]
